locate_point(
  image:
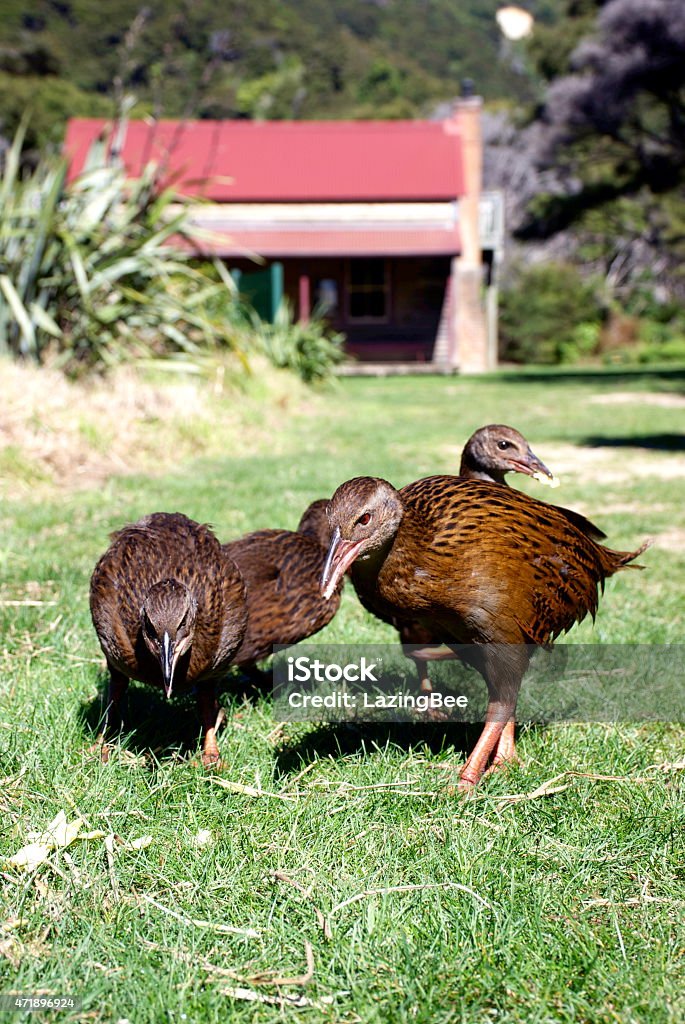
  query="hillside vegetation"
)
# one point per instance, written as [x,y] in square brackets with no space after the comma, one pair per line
[298,58]
[584,122]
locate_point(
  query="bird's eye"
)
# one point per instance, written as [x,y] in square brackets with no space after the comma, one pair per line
[364,519]
[503,445]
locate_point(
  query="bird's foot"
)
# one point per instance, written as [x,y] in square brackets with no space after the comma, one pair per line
[211,760]
[100,749]
[468,780]
[505,751]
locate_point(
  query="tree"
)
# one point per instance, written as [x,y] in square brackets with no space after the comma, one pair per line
[627,92]
[608,145]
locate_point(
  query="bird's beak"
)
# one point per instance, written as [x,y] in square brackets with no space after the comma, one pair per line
[531,465]
[168,663]
[341,555]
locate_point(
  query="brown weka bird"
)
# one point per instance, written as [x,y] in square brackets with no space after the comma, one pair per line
[495,450]
[475,563]
[168,606]
[489,454]
[282,572]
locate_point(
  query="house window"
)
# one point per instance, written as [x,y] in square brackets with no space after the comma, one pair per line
[368,291]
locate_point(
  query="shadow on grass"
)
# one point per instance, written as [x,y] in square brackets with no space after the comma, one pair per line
[610,375]
[654,442]
[164,728]
[357,736]
[342,739]
[171,728]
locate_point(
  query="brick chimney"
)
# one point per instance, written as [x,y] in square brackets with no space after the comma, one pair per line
[470,331]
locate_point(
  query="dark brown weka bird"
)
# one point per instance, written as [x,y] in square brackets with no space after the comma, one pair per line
[168,605]
[489,454]
[282,572]
[475,563]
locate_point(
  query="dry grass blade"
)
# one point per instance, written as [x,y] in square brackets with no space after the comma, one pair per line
[238,787]
[223,929]
[323,923]
[297,979]
[261,978]
[109,847]
[391,788]
[597,777]
[667,766]
[411,888]
[299,1002]
[547,788]
[633,901]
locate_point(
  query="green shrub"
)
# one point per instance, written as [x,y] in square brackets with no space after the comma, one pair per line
[309,349]
[92,272]
[548,314]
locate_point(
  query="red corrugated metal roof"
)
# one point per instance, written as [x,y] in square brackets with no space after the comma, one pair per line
[291,161]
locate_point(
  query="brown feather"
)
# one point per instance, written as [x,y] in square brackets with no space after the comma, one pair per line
[282,570]
[167,546]
[475,563]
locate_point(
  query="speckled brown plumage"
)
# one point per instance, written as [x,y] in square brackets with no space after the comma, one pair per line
[474,563]
[495,450]
[282,572]
[167,575]
[490,454]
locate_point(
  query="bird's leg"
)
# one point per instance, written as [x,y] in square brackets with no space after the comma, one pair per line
[422,657]
[118,685]
[208,709]
[425,685]
[477,761]
[502,666]
[506,746]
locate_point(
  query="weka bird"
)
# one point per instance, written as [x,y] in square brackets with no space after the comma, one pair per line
[489,454]
[495,450]
[475,563]
[168,606]
[282,571]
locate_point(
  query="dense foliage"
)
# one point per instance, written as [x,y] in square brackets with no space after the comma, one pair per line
[277,59]
[94,272]
[595,177]
[308,348]
[89,270]
[548,314]
[611,135]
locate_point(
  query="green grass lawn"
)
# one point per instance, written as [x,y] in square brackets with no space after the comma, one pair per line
[339,860]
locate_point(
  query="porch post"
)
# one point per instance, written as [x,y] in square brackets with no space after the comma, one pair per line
[305,298]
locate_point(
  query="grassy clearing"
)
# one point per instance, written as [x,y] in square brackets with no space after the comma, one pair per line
[560,908]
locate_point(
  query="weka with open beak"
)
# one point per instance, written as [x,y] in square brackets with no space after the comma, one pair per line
[168,606]
[495,450]
[474,563]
